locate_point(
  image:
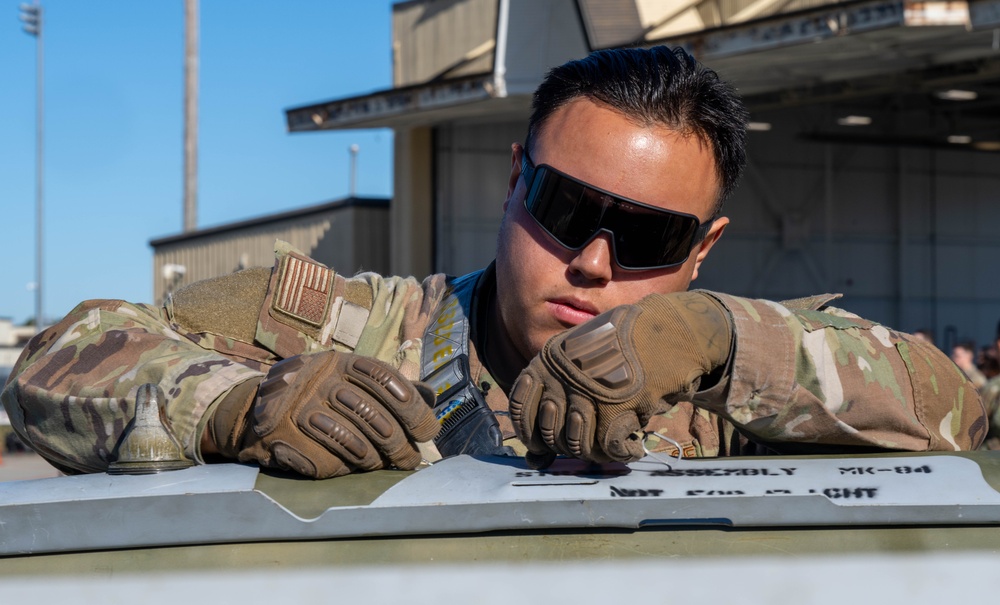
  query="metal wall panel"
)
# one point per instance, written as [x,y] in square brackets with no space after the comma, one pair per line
[906,234]
[347,238]
[411,220]
[611,23]
[370,235]
[472,168]
[442,38]
[541,35]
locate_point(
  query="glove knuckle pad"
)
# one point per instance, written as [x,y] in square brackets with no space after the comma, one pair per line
[383,376]
[368,412]
[524,400]
[576,439]
[342,436]
[596,350]
[271,405]
[548,422]
[287,367]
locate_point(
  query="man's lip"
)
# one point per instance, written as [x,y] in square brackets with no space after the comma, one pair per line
[579,305]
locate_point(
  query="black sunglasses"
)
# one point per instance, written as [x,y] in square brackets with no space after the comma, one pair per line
[574,213]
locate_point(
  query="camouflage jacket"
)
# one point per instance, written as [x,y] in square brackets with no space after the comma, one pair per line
[800,380]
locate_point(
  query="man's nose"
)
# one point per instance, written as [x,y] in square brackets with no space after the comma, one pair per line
[594,260]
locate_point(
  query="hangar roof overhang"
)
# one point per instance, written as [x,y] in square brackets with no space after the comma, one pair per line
[846,50]
[416,105]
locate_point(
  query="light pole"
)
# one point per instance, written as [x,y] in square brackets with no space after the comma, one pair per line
[354,149]
[190,115]
[31,15]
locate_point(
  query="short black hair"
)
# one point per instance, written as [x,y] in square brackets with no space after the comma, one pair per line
[654,85]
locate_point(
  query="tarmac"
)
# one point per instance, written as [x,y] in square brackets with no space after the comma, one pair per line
[25,465]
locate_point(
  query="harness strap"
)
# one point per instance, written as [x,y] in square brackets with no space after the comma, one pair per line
[467,423]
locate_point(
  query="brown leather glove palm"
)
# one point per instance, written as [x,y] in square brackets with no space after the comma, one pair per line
[326,414]
[592,387]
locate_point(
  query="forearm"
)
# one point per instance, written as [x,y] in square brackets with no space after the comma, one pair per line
[837,381]
[73,390]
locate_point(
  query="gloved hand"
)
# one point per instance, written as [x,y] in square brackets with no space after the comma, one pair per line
[596,384]
[326,414]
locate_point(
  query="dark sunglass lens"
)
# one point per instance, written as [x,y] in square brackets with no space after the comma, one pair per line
[564,208]
[646,238]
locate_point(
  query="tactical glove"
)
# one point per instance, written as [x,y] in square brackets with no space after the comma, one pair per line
[326,414]
[592,387]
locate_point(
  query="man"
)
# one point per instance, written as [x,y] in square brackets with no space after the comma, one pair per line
[964,356]
[584,320]
[991,399]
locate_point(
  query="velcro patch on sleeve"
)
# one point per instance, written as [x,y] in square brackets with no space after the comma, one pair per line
[304,290]
[350,324]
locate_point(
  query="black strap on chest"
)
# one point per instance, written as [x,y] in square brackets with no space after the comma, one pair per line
[468,426]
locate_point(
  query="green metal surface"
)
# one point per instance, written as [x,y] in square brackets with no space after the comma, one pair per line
[563,546]
[989,464]
[308,498]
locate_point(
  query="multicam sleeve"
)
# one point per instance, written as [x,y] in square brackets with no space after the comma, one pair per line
[835,382]
[72,391]
[309,307]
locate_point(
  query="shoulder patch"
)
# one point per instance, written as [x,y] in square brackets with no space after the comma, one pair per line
[304,290]
[359,292]
[809,303]
[226,305]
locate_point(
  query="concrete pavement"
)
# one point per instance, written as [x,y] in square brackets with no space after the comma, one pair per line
[28,465]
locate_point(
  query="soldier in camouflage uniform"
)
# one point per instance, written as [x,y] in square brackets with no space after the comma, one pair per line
[991,399]
[582,337]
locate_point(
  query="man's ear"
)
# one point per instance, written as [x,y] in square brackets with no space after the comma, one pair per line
[706,244]
[516,152]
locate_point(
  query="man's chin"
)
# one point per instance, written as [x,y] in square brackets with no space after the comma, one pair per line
[536,344]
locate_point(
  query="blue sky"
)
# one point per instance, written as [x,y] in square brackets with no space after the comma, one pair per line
[114,130]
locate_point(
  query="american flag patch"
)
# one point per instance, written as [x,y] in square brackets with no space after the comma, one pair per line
[304,290]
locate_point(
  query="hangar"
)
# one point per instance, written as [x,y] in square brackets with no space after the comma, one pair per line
[874,167]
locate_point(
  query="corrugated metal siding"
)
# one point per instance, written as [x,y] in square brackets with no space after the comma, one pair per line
[907,235]
[442,38]
[347,239]
[411,221]
[472,169]
[541,35]
[611,23]
[371,241]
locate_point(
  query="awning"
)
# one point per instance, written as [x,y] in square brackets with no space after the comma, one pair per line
[835,51]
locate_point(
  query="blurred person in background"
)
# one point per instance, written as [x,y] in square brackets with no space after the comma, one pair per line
[991,399]
[964,356]
[988,362]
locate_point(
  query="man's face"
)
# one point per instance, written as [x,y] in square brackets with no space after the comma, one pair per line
[543,288]
[963,358]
